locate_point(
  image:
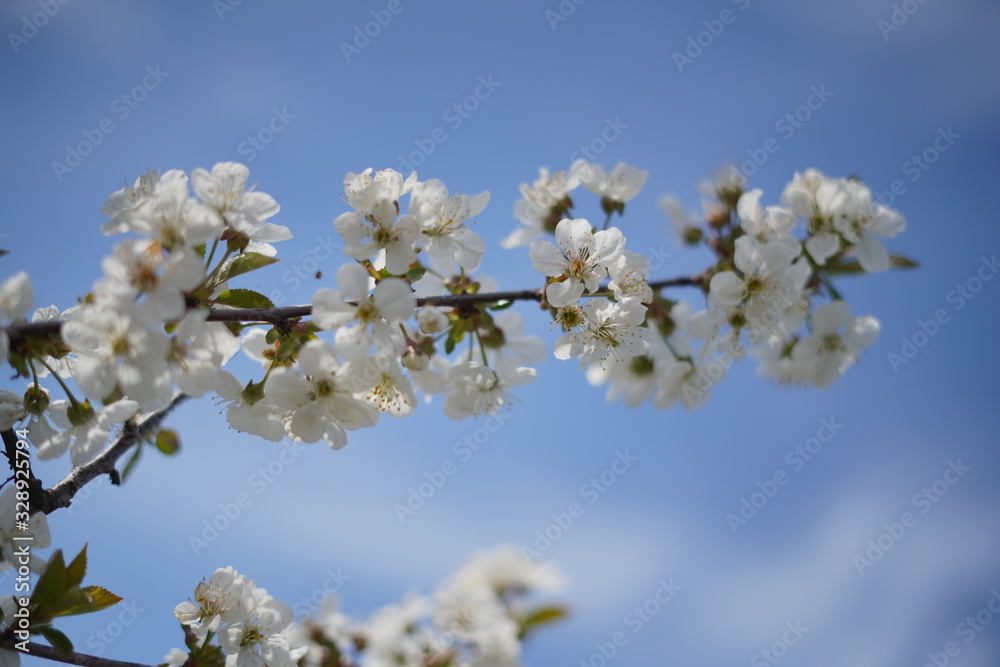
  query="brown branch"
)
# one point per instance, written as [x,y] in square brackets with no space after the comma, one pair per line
[49,653]
[61,495]
[19,332]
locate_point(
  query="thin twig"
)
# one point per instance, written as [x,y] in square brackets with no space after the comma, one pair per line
[61,495]
[49,653]
[19,332]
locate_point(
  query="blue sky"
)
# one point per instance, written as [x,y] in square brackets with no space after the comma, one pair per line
[210,80]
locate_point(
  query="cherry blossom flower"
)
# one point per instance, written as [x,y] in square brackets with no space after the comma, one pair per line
[619,185]
[321,394]
[582,256]
[361,319]
[862,222]
[774,223]
[87,429]
[138,267]
[221,599]
[479,390]
[633,379]
[770,285]
[244,211]
[365,234]
[121,205]
[169,215]
[262,418]
[257,639]
[392,392]
[117,345]
[16,297]
[365,191]
[198,349]
[835,343]
[442,222]
[612,329]
[628,277]
[542,206]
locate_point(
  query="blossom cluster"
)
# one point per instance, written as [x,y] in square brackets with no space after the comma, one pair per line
[762,294]
[143,332]
[478,617]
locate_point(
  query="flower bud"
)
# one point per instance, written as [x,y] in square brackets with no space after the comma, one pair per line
[415,359]
[431,320]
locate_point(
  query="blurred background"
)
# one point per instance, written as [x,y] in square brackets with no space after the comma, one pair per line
[300,93]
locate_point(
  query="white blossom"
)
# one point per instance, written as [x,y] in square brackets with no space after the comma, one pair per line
[360,319]
[621,184]
[321,393]
[442,222]
[611,329]
[582,256]
[479,390]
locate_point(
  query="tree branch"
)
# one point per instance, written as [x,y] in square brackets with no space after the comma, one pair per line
[20,332]
[49,653]
[61,495]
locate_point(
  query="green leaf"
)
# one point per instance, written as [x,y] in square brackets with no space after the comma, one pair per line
[52,582]
[59,641]
[415,274]
[501,305]
[244,298]
[541,616]
[895,262]
[78,568]
[244,263]
[86,600]
[900,262]
[167,441]
[101,598]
